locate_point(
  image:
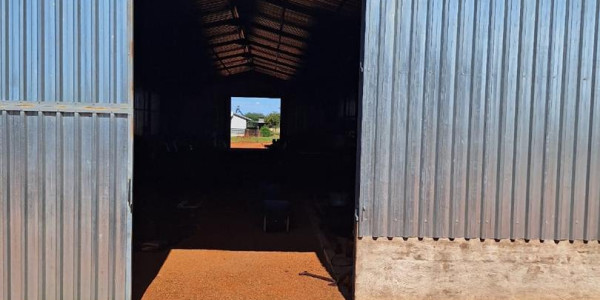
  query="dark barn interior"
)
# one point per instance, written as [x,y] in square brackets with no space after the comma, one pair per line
[190,190]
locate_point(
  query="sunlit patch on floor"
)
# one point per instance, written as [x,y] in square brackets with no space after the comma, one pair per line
[221,274]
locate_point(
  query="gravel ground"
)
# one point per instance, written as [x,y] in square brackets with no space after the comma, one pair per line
[219,274]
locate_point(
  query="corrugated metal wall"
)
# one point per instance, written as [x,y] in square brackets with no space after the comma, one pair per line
[65,50]
[481,119]
[65,149]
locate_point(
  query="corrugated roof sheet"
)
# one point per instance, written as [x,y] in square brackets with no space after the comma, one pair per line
[273,41]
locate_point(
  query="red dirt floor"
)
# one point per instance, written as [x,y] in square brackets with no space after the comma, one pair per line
[219,274]
[228,256]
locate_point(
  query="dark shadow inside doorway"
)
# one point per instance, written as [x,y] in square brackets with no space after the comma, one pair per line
[199,205]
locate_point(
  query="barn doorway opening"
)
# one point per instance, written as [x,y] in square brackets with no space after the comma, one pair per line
[213,222]
[255,123]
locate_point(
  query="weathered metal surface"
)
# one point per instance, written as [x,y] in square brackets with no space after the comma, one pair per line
[65,149]
[481,119]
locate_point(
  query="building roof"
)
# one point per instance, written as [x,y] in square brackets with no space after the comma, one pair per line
[271,37]
[241,116]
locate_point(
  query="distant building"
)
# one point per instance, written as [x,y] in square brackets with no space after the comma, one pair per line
[239,123]
[261,122]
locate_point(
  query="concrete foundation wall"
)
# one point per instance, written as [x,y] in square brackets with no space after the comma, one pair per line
[428,269]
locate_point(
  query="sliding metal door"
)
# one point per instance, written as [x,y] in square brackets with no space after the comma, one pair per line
[65,149]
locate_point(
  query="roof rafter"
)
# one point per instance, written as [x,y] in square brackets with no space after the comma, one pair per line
[269,35]
[256,44]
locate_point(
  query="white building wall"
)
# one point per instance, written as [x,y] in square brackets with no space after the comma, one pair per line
[238,126]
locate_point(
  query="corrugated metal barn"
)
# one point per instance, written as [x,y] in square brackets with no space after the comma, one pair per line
[408,128]
[481,120]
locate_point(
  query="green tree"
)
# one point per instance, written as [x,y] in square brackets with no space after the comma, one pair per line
[273,119]
[265,131]
[254,116]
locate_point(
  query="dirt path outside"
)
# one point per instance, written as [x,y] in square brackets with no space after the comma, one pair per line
[249,145]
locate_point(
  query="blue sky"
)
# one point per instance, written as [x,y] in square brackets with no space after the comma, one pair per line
[258,105]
